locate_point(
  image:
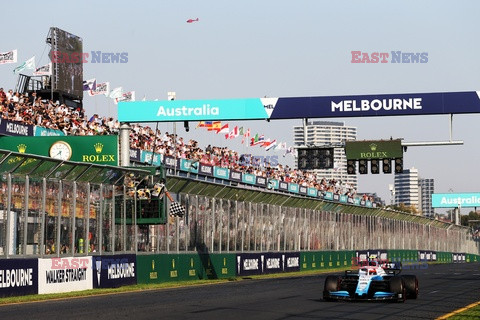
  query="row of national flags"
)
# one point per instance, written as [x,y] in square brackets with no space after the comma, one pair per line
[91,86]
[244,133]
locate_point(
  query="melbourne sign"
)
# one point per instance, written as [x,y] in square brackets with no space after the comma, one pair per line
[373,149]
[455,200]
[301,107]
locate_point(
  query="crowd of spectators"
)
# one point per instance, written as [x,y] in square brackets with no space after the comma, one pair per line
[34,110]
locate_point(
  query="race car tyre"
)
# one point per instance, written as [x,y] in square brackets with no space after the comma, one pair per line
[331,284]
[411,286]
[397,286]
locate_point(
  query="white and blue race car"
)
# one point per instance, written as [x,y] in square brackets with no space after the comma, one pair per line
[373,281]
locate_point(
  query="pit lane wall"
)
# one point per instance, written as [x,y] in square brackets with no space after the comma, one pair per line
[66,274]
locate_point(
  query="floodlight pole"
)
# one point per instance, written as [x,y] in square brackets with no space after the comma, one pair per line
[305,124]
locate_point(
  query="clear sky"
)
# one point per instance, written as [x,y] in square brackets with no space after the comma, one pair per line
[244,49]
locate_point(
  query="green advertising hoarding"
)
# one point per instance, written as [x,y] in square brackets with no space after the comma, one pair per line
[373,149]
[92,149]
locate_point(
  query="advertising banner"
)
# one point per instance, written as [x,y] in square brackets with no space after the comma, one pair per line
[364,255]
[114,271]
[273,262]
[92,149]
[373,149]
[293,187]
[46,132]
[205,170]
[171,162]
[283,186]
[291,261]
[302,190]
[328,195]
[248,178]
[189,165]
[343,198]
[13,128]
[135,155]
[249,264]
[191,110]
[236,176]
[273,184]
[301,107]
[261,181]
[312,192]
[336,197]
[146,157]
[222,173]
[455,200]
[57,275]
[18,277]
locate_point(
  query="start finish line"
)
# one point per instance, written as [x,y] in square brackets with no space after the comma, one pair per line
[300,107]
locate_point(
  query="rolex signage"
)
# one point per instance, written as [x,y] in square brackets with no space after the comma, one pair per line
[373,149]
[92,149]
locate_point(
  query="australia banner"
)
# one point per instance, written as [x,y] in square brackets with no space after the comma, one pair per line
[8,57]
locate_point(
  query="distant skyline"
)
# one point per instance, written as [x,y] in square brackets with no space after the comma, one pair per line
[278,49]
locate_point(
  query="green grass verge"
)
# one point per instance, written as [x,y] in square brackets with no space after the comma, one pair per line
[473,313]
[159,286]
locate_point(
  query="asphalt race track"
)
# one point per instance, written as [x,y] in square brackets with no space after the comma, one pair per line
[443,288]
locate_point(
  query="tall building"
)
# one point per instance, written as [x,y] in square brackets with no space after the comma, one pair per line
[426,188]
[406,188]
[325,133]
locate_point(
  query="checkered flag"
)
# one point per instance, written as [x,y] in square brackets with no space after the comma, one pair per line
[176,209]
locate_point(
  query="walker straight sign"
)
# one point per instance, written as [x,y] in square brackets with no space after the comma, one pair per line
[301,107]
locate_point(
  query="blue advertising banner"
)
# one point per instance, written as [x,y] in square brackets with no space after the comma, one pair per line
[46,132]
[301,107]
[272,262]
[171,162]
[249,264]
[328,195]
[357,201]
[13,128]
[283,186]
[18,277]
[455,200]
[236,176]
[135,155]
[248,178]
[343,198]
[312,192]
[261,181]
[222,173]
[189,165]
[293,187]
[114,271]
[291,261]
[302,190]
[205,170]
